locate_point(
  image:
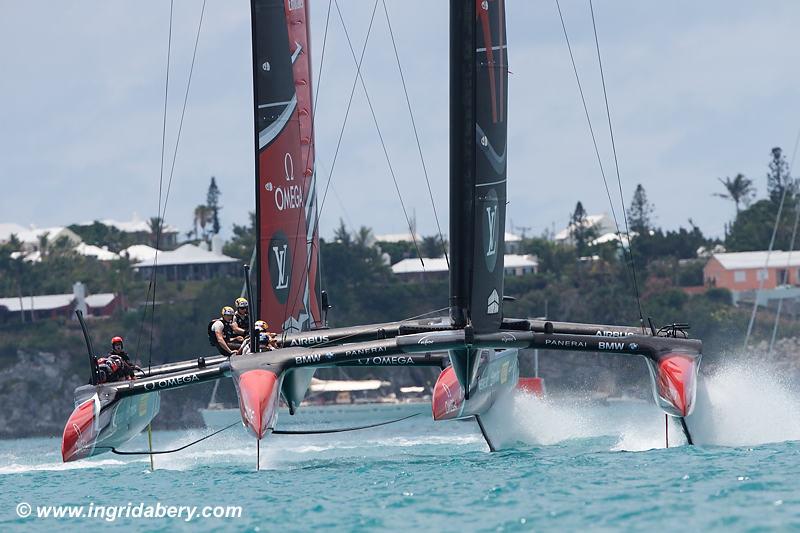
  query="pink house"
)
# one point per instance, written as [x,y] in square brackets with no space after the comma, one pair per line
[748,271]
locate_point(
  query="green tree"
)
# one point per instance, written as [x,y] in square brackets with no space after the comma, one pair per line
[243,241]
[640,212]
[740,190]
[432,246]
[581,231]
[778,178]
[156,226]
[202,217]
[212,201]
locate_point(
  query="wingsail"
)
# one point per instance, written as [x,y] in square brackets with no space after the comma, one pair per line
[286,209]
[478,116]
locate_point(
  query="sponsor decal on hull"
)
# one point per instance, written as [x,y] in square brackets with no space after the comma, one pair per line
[601,333]
[306,359]
[171,382]
[565,343]
[366,351]
[306,341]
[613,346]
[387,360]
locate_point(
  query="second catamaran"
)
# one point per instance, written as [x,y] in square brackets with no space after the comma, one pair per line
[481,344]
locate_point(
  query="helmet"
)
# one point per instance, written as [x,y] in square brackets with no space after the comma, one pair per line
[227,310]
[241,302]
[260,325]
[116,340]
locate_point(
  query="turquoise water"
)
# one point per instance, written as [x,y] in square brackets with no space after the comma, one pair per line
[576,464]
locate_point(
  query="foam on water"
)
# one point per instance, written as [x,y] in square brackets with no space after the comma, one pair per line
[522,418]
[746,403]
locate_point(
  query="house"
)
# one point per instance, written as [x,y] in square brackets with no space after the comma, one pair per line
[28,308]
[412,269]
[187,262]
[747,271]
[602,224]
[31,238]
[760,275]
[140,231]
[512,243]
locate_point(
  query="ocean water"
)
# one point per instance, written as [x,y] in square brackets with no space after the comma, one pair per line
[571,464]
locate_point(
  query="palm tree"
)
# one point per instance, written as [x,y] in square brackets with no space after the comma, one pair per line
[203,215]
[739,189]
[156,225]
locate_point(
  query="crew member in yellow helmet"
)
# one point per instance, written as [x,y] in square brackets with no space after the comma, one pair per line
[221,334]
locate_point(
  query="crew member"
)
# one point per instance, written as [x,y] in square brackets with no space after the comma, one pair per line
[241,320]
[116,365]
[221,334]
[110,368]
[264,343]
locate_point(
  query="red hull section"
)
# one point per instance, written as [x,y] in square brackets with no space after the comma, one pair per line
[80,432]
[676,382]
[533,386]
[258,400]
[448,396]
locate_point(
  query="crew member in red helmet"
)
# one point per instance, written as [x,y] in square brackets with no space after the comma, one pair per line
[116,365]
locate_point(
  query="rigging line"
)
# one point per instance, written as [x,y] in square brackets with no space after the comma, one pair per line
[183,114]
[769,253]
[311,148]
[336,152]
[152,284]
[380,136]
[616,166]
[159,221]
[160,452]
[416,135]
[789,256]
[594,139]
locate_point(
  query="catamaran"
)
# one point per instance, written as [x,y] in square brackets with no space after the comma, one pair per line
[476,345]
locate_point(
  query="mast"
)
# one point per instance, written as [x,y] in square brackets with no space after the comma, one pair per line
[287,240]
[478,127]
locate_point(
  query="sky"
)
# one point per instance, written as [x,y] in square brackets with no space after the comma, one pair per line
[697,91]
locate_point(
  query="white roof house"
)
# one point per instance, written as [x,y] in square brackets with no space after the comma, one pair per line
[398,237]
[515,265]
[52,302]
[749,260]
[188,254]
[135,226]
[139,253]
[102,254]
[9,229]
[30,236]
[602,223]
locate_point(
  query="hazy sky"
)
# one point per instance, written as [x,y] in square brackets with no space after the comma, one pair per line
[698,90]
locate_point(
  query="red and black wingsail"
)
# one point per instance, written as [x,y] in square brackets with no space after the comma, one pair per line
[478,113]
[286,210]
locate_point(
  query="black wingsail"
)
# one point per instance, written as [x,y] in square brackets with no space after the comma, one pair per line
[478,126]
[478,121]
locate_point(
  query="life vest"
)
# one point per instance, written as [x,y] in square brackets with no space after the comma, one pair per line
[113,368]
[123,355]
[243,322]
[227,332]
